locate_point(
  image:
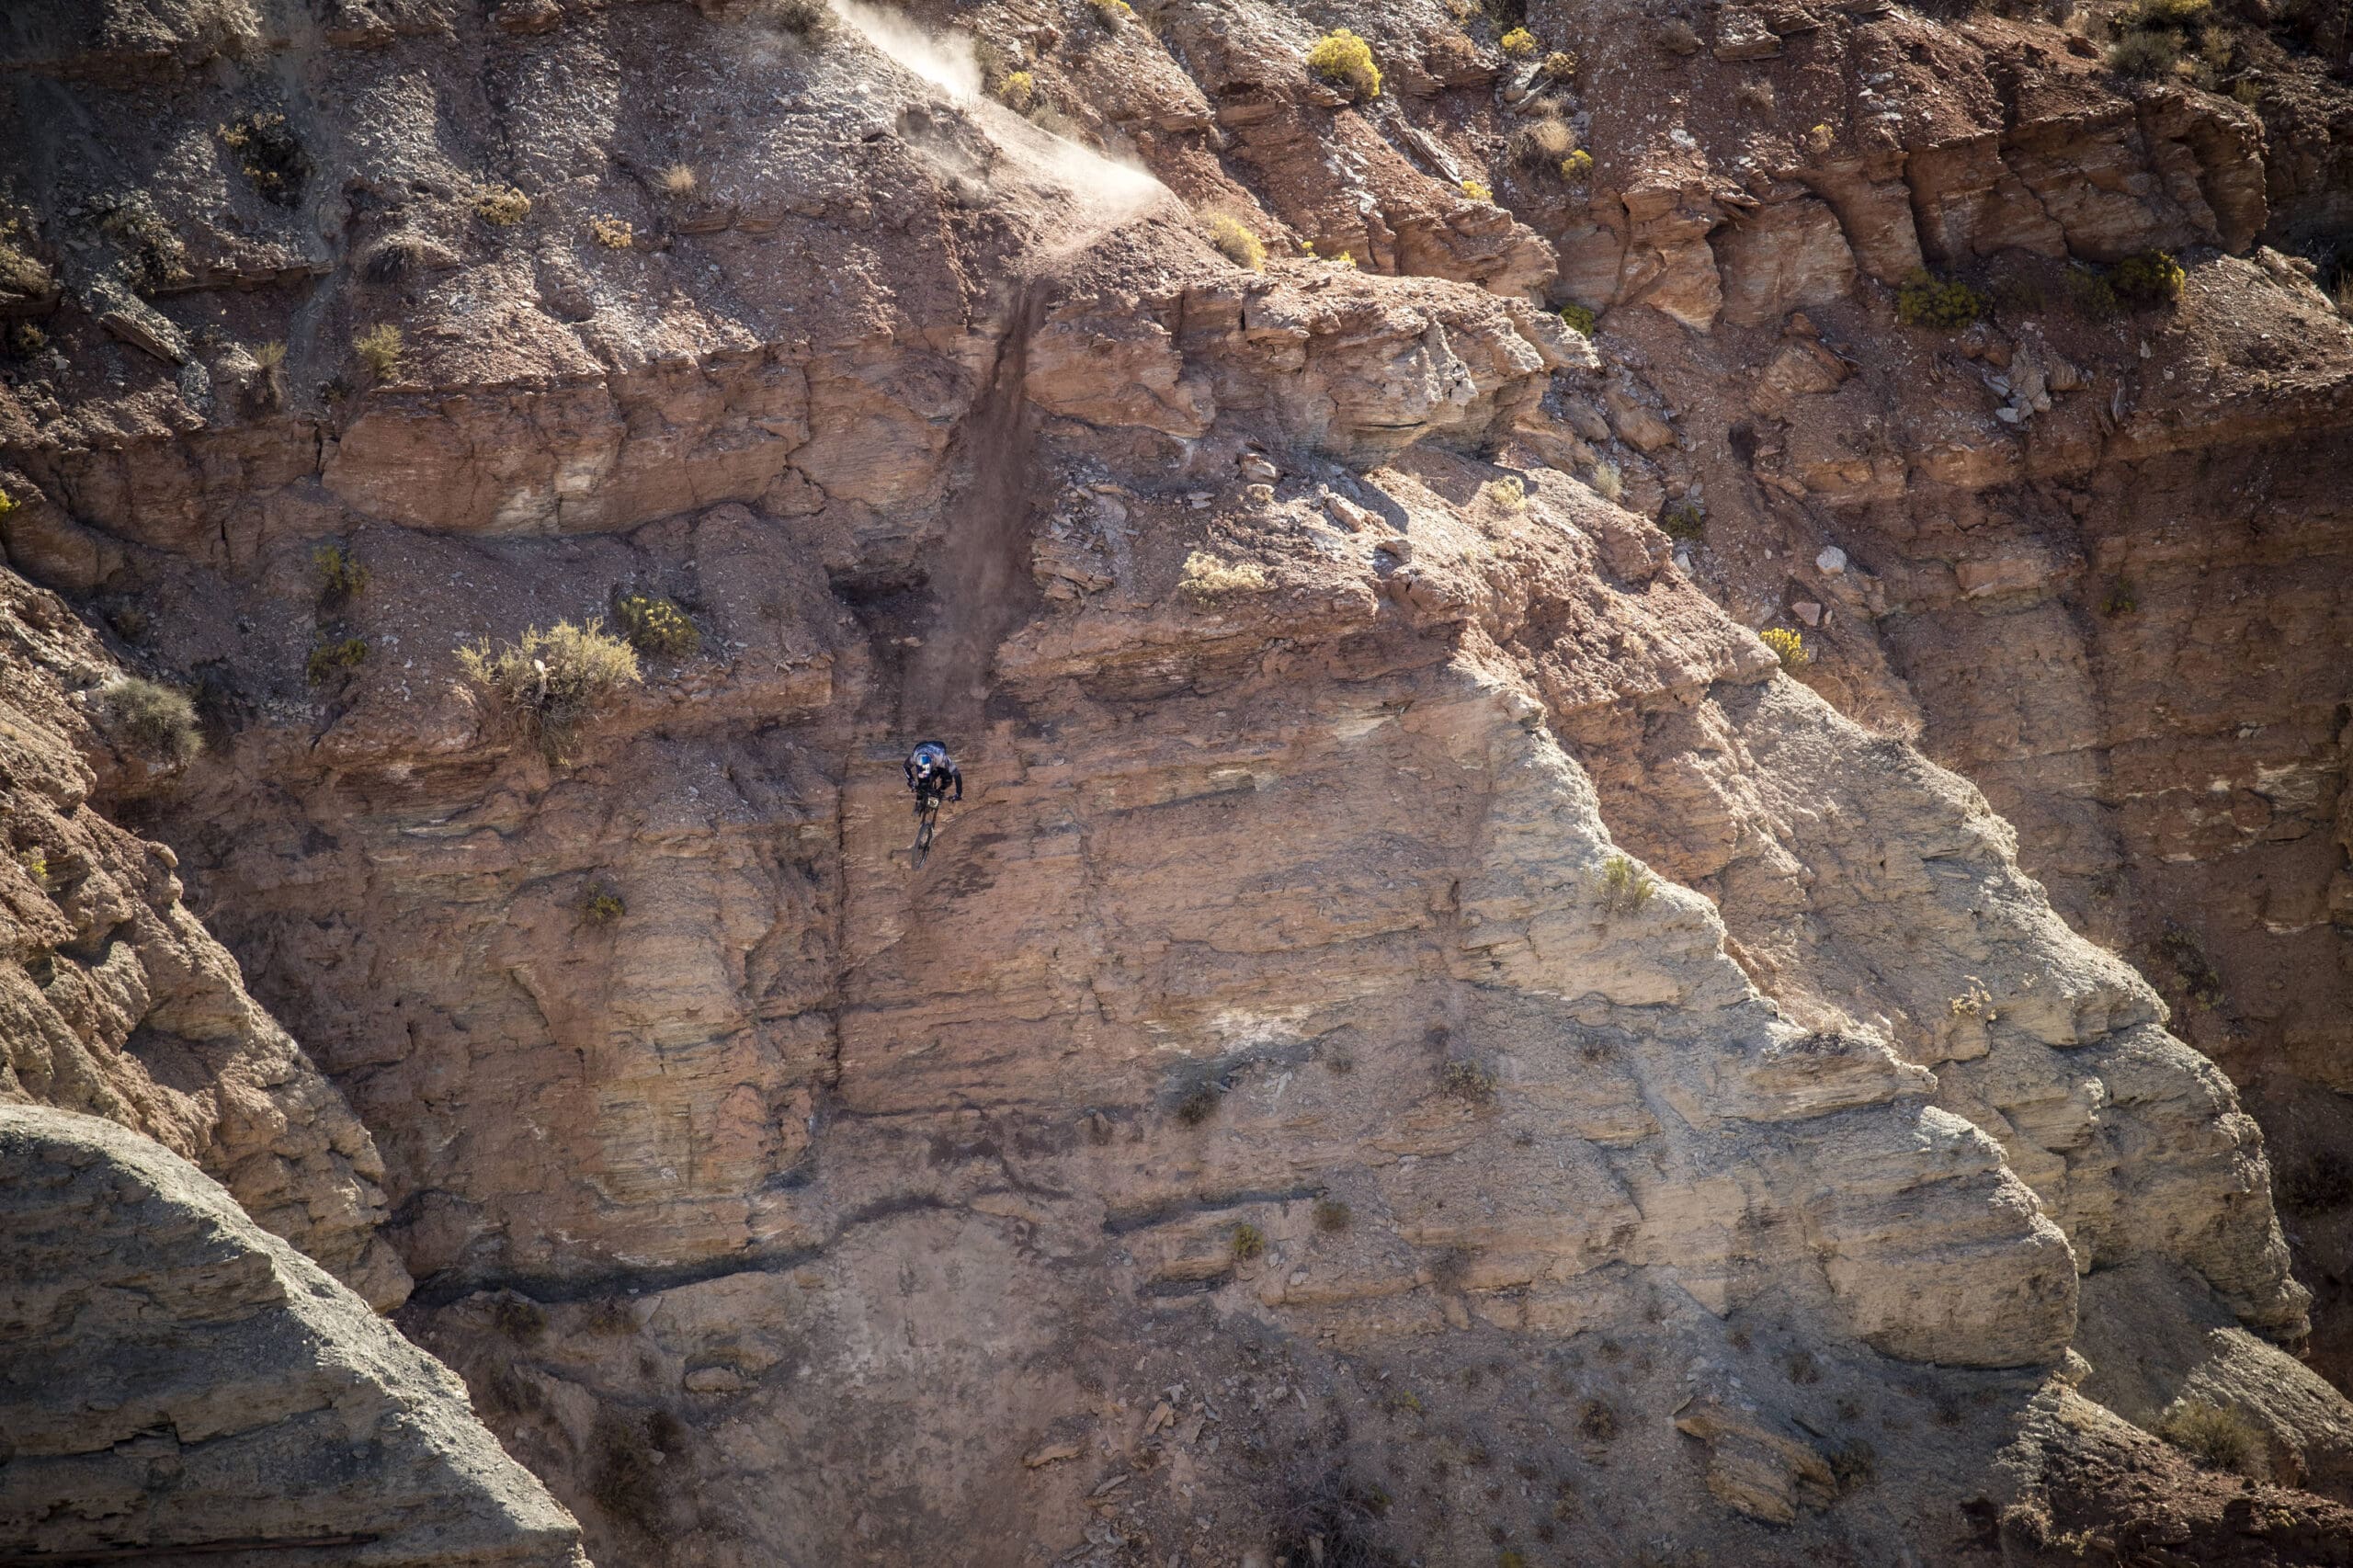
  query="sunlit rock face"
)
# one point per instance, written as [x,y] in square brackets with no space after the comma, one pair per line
[1424,1036]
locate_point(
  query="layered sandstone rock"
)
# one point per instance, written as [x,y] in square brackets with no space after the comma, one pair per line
[1421,1035]
[119,1002]
[177,1381]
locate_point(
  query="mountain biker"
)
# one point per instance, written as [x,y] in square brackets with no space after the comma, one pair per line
[931,773]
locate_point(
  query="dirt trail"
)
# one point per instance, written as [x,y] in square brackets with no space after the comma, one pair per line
[979,583]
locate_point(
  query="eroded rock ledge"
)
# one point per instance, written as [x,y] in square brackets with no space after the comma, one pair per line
[178,1382]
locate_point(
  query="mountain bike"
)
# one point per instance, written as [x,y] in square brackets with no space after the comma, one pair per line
[928,813]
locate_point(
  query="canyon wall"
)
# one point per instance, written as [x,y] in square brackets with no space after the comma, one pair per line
[1423,1037]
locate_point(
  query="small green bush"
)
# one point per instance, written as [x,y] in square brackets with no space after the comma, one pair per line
[1789,646]
[812,20]
[1199,1104]
[151,720]
[1625,885]
[341,576]
[1682,519]
[1508,495]
[1577,167]
[2199,979]
[332,657]
[1473,1082]
[1854,1465]
[1341,56]
[1249,1242]
[20,273]
[2216,1438]
[1579,319]
[501,206]
[602,906]
[556,676]
[157,255]
[1922,300]
[656,626]
[1237,244]
[1332,1216]
[2120,601]
[1519,43]
[2144,56]
[2151,277]
[518,1317]
[379,350]
[2180,15]
[2091,296]
[270,155]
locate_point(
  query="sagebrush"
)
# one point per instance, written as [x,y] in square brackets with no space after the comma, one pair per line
[150,719]
[2215,1437]
[557,677]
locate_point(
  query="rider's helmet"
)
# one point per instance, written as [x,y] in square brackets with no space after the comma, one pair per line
[928,758]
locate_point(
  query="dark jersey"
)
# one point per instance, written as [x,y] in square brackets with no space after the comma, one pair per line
[932,773]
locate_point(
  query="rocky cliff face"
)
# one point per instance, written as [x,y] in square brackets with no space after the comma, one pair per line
[121,1004]
[187,1367]
[181,1383]
[1423,1038]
